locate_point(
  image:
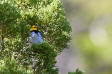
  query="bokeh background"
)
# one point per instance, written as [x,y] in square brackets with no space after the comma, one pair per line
[91,45]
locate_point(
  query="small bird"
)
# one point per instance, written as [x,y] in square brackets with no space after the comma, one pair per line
[35,36]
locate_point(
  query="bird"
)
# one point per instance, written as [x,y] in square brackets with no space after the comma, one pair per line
[35,35]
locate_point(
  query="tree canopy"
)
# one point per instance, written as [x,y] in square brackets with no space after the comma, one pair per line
[16,18]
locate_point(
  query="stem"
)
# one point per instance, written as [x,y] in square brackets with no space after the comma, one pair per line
[2,37]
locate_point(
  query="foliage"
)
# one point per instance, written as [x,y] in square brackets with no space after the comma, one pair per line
[16,18]
[77,72]
[11,67]
[45,57]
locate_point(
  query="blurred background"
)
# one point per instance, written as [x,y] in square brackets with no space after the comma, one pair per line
[91,45]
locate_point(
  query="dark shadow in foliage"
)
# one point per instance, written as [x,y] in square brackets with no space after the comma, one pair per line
[46,58]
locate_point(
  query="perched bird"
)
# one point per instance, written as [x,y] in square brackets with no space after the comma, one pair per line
[36,36]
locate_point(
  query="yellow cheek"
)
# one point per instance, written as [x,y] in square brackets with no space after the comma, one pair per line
[33,29]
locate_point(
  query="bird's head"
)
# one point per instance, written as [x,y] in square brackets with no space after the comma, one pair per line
[34,28]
